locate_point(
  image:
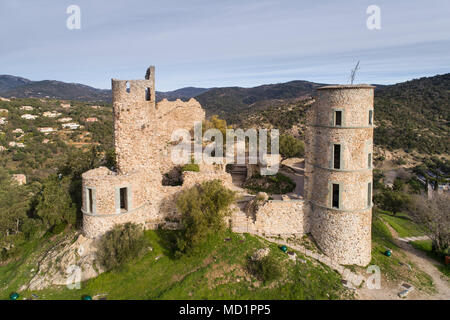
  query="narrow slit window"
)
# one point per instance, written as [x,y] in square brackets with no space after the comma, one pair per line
[369,161]
[338,118]
[123,199]
[90,201]
[370,117]
[128,87]
[147,94]
[337,156]
[335,196]
[369,194]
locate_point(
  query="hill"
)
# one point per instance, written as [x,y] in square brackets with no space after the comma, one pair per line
[13,86]
[409,115]
[230,101]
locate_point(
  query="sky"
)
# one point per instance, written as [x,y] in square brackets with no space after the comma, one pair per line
[217,43]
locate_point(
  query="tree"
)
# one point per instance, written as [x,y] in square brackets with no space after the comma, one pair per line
[55,206]
[203,209]
[121,244]
[434,214]
[391,200]
[291,147]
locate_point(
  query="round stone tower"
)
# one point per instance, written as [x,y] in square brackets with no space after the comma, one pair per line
[338,171]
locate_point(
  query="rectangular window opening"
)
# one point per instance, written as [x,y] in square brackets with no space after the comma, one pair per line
[128,87]
[147,94]
[369,161]
[337,156]
[338,118]
[370,117]
[90,201]
[123,199]
[335,196]
[369,194]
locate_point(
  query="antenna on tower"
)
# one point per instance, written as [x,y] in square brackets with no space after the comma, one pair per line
[353,73]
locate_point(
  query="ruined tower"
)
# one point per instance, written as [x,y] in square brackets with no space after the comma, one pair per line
[338,171]
[134,105]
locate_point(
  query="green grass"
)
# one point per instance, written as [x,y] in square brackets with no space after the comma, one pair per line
[403,224]
[426,246]
[394,268]
[215,271]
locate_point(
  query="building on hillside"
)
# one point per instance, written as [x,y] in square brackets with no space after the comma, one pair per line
[336,181]
[91,119]
[65,105]
[3,120]
[27,108]
[19,178]
[67,119]
[46,130]
[50,114]
[18,130]
[29,116]
[16,144]
[71,125]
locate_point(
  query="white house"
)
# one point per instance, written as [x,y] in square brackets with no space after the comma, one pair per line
[46,130]
[28,108]
[71,125]
[65,119]
[16,144]
[29,116]
[50,114]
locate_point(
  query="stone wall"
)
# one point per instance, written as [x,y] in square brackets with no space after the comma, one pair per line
[282,218]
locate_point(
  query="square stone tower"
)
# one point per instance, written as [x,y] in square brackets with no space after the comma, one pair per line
[134,104]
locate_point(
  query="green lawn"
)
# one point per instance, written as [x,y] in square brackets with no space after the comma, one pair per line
[395,267]
[403,224]
[425,245]
[216,271]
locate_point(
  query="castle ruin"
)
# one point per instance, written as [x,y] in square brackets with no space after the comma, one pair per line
[336,204]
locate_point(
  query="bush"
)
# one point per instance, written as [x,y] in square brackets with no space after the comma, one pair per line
[266,269]
[203,209]
[291,147]
[120,245]
[55,205]
[190,167]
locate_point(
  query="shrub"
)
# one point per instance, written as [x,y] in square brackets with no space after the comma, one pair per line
[265,269]
[190,167]
[203,209]
[120,245]
[55,205]
[291,147]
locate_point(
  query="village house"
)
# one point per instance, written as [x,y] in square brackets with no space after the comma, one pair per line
[67,119]
[27,108]
[50,114]
[29,116]
[71,125]
[46,130]
[65,105]
[3,120]
[92,119]
[16,144]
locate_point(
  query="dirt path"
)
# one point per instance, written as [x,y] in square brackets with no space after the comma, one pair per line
[390,291]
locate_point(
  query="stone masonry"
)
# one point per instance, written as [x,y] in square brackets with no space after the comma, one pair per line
[336,207]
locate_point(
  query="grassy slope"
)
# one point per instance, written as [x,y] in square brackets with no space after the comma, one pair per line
[425,245]
[401,223]
[215,272]
[395,268]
